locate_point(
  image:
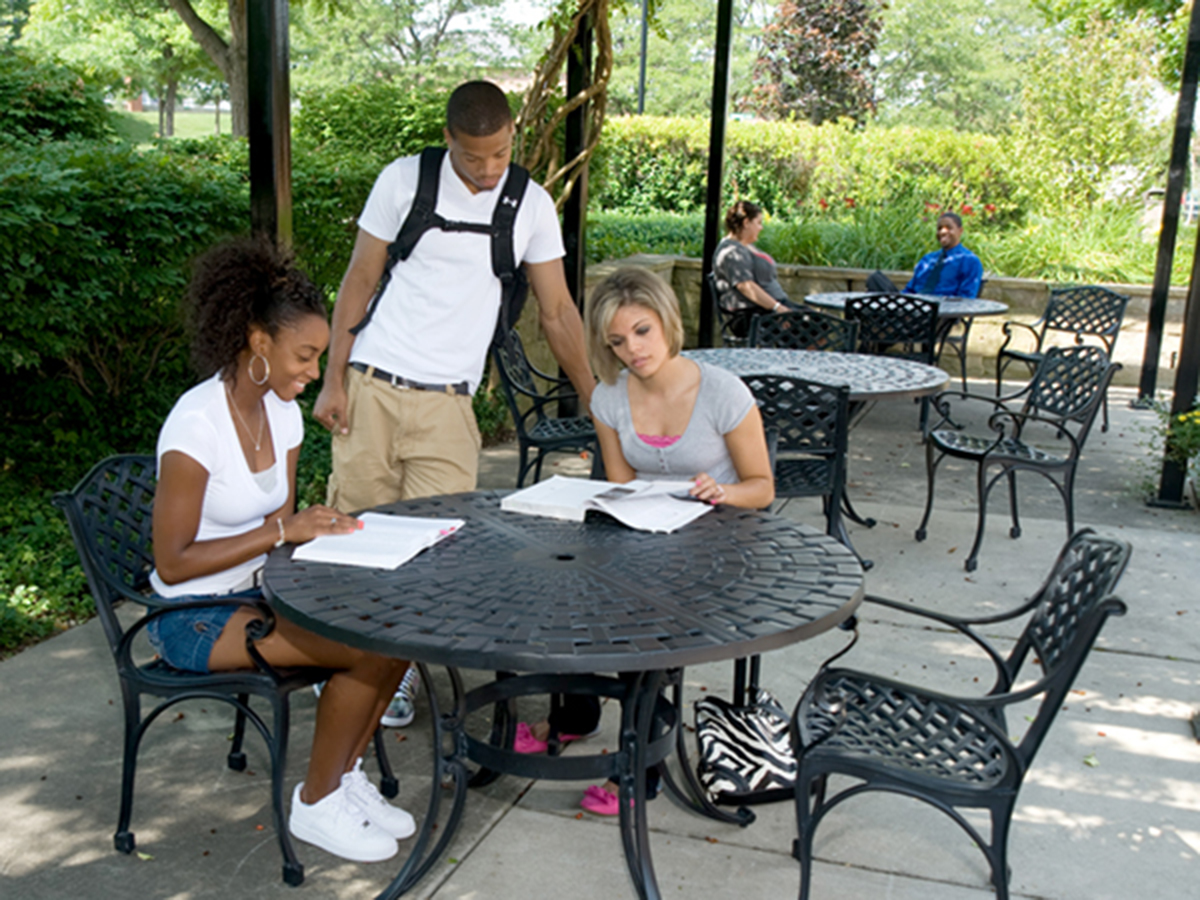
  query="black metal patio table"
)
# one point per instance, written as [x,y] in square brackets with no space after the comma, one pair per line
[559,602]
[948,307]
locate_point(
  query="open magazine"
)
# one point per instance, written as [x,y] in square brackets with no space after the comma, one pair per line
[384,542]
[662,506]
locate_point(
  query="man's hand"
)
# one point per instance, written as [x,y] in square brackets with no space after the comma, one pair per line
[330,408]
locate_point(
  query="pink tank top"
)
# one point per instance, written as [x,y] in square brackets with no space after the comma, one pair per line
[658,441]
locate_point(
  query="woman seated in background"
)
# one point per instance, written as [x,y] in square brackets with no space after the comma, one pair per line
[226,496]
[747,278]
[658,416]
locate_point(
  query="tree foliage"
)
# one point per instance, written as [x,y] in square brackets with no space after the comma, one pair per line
[954,63]
[1087,128]
[815,61]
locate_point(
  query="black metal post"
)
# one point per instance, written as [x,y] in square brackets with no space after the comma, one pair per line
[716,164]
[1187,378]
[574,219]
[1176,174]
[270,121]
[642,64]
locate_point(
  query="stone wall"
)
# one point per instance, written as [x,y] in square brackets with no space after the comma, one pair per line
[1026,298]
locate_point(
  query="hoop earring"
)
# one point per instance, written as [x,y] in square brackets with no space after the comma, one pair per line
[266,369]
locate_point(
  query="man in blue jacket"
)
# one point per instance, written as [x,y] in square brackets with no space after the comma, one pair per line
[953,271]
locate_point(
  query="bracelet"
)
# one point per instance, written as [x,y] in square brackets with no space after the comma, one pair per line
[776,307]
[282,537]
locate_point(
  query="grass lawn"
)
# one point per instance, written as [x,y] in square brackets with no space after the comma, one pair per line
[141,127]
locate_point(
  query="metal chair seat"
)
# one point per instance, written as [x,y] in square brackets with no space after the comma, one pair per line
[803,477]
[890,725]
[569,429]
[972,446]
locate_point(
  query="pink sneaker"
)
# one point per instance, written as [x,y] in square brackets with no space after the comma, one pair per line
[599,801]
[525,742]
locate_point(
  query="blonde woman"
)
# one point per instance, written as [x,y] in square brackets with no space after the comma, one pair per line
[659,415]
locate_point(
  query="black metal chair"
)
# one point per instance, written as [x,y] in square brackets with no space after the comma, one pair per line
[955,752]
[109,513]
[804,329]
[806,425]
[1057,407]
[735,324]
[1088,311]
[532,410]
[897,325]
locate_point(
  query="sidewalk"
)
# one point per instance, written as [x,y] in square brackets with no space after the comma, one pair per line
[1127,828]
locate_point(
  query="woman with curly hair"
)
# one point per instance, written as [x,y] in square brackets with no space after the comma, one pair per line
[226,496]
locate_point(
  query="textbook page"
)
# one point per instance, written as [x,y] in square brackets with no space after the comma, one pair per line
[384,542]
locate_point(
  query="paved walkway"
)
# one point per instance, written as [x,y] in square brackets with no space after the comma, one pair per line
[1125,828]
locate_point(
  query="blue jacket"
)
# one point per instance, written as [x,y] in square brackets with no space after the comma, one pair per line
[961,274]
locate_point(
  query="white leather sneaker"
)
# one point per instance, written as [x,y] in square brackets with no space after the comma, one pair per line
[337,824]
[392,819]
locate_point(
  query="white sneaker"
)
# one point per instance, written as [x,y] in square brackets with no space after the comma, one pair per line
[402,708]
[337,824]
[392,819]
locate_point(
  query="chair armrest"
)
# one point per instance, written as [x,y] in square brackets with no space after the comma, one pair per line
[1007,328]
[261,627]
[1021,420]
[963,626]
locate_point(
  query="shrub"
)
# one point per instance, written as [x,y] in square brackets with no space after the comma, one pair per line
[44,101]
[94,242]
[375,119]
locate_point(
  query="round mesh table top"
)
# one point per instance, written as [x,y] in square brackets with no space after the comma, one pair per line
[948,307]
[869,377]
[531,594]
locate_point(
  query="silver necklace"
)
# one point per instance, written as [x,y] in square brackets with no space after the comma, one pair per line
[262,420]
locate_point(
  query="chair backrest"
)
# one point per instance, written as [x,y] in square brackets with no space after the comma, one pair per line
[517,380]
[901,324]
[804,329]
[1069,384]
[804,418]
[110,514]
[1089,309]
[1068,612]
[725,317]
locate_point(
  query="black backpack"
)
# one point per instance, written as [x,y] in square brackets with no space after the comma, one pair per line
[514,286]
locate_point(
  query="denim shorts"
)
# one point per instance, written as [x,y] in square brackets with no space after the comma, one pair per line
[185,639]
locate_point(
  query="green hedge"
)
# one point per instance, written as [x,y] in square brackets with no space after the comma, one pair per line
[42,101]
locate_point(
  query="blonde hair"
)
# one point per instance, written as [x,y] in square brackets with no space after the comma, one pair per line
[629,287]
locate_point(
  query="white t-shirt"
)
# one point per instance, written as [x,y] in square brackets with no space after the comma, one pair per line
[435,321]
[201,426]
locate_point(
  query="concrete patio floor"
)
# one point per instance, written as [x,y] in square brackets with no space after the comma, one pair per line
[1126,827]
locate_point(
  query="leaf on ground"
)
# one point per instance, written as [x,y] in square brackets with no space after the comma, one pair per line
[1090,761]
[144,857]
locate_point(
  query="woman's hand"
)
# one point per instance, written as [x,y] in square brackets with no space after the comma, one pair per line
[315,521]
[707,489]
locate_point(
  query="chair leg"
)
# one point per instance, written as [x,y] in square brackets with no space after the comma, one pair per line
[277,746]
[930,474]
[522,465]
[236,759]
[998,857]
[123,838]
[983,488]
[388,785]
[1015,531]
[809,795]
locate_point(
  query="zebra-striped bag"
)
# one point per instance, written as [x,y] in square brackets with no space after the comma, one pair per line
[745,752]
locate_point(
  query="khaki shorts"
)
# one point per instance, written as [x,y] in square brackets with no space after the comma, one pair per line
[402,444]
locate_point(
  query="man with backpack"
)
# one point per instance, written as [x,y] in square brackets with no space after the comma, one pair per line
[445,243]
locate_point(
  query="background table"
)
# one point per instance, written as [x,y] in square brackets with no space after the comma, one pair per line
[536,595]
[868,377]
[948,307]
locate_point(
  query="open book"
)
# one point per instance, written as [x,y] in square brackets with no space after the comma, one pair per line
[384,542]
[662,506]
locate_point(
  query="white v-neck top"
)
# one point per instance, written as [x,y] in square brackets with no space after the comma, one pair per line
[235,500]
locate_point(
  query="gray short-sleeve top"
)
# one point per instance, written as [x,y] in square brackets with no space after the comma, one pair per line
[722,402]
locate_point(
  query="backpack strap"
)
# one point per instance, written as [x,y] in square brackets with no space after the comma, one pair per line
[422,216]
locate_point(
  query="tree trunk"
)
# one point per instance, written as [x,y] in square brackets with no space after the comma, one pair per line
[172,93]
[229,58]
